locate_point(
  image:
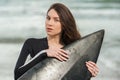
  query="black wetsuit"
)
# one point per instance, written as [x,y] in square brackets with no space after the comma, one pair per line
[31,47]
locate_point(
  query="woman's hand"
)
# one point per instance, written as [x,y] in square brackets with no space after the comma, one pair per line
[58,53]
[92,67]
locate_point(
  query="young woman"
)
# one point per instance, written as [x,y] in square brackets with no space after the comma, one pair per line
[61,30]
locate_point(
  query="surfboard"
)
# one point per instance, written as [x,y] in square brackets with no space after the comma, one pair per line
[80,51]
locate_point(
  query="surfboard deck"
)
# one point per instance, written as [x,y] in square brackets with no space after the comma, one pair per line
[85,49]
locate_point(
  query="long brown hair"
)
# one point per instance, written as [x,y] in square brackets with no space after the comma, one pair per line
[69,28]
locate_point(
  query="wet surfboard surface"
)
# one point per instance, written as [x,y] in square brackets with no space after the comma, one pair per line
[80,51]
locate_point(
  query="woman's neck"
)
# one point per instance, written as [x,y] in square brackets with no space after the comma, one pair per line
[54,41]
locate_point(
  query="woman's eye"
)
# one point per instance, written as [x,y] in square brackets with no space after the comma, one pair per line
[57,20]
[48,18]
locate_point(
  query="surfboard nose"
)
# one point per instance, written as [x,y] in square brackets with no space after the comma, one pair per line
[101,32]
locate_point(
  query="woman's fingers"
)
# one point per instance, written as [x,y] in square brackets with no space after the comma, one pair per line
[60,54]
[63,53]
[92,67]
[60,57]
[94,73]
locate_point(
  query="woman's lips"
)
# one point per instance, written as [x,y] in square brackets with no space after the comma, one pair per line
[49,29]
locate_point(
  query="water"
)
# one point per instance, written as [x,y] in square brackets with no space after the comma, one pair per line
[22,19]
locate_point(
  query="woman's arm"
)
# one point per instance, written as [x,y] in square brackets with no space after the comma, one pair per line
[21,60]
[26,50]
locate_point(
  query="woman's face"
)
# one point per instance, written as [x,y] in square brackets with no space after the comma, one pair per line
[52,23]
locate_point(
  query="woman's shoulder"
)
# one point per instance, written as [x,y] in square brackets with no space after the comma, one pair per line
[35,40]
